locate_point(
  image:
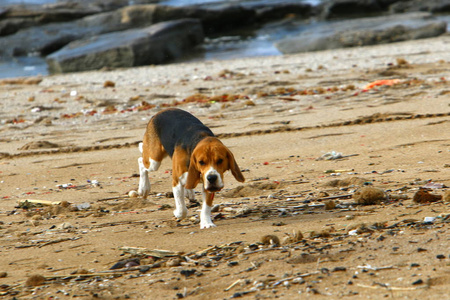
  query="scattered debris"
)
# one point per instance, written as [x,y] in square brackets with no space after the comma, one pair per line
[382,82]
[149,252]
[447,196]
[293,237]
[351,181]
[35,280]
[331,156]
[433,185]
[423,196]
[127,263]
[270,240]
[369,196]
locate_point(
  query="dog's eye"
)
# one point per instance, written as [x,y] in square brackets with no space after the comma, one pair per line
[219,161]
[202,163]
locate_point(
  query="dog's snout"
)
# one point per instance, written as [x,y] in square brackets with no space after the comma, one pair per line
[212,178]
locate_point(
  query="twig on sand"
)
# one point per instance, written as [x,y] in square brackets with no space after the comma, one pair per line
[60,241]
[232,285]
[392,288]
[369,267]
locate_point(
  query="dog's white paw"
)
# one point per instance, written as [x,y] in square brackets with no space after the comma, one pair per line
[180,214]
[206,224]
[143,192]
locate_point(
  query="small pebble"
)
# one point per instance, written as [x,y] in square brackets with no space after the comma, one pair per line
[232,263]
[188,273]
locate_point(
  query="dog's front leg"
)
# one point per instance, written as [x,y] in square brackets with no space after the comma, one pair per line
[205,215]
[180,211]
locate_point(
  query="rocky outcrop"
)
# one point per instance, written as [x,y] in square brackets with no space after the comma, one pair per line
[19,17]
[48,38]
[155,44]
[365,31]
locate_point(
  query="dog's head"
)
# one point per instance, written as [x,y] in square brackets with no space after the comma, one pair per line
[209,160]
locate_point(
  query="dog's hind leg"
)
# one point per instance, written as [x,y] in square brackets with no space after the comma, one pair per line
[179,192]
[152,155]
[144,182]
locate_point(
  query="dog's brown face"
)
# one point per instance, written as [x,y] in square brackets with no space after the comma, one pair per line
[209,161]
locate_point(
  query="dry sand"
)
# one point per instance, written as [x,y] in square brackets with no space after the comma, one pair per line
[69,138]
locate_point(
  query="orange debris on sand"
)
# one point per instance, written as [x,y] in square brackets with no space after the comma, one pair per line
[382,82]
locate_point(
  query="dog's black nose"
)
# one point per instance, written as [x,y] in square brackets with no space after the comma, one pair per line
[211,178]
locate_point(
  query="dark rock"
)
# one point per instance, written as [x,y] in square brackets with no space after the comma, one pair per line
[349,8]
[19,17]
[214,20]
[156,44]
[12,25]
[364,31]
[339,269]
[127,263]
[188,273]
[265,13]
[435,6]
[385,4]
[48,38]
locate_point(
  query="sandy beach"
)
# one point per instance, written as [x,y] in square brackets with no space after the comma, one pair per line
[71,140]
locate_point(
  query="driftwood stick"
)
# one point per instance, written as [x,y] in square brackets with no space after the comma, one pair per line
[36,201]
[150,252]
[232,285]
[70,276]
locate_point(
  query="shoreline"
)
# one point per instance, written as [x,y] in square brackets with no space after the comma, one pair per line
[367,57]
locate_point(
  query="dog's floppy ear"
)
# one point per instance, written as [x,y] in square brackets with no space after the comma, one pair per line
[233,166]
[193,177]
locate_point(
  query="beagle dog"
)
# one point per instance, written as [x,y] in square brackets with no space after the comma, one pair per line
[197,156]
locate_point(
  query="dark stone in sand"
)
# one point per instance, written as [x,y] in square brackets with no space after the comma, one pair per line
[156,44]
[364,31]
